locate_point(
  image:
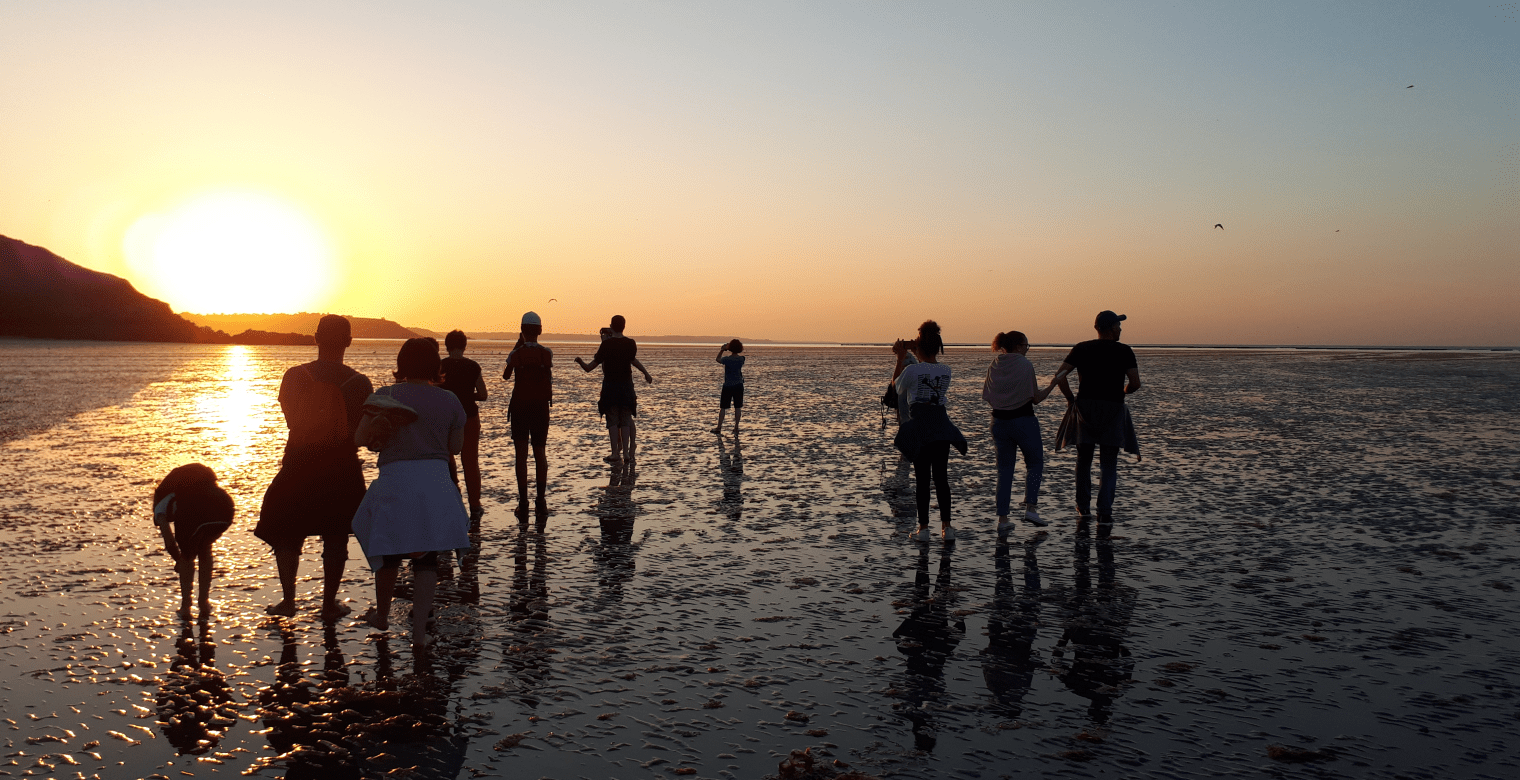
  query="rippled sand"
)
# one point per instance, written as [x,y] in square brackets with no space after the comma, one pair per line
[1313,573]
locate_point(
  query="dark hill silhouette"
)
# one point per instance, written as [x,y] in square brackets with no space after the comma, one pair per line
[45,296]
[304,323]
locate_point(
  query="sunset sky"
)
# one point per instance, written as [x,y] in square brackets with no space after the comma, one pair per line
[810,170]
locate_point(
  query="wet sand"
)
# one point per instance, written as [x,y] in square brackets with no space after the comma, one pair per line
[1313,573]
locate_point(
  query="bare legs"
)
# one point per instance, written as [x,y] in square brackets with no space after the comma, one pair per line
[628,432]
[469,459]
[288,562]
[424,587]
[186,570]
[541,472]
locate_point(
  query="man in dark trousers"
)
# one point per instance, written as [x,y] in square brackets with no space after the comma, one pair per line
[1108,372]
[321,481]
[528,410]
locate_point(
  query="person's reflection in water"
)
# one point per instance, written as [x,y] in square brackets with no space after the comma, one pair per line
[527,654]
[616,510]
[325,728]
[195,703]
[927,638]
[1096,623]
[1009,662]
[731,464]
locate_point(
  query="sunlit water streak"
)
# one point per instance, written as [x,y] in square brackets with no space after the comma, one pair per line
[1318,553]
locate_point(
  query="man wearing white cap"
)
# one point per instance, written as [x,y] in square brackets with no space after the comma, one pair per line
[528,411]
[1108,372]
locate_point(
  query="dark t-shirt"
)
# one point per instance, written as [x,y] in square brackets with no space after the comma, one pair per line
[354,386]
[460,375]
[617,356]
[1102,366]
[533,366]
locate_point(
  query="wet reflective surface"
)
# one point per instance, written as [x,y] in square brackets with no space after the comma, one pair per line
[1313,572]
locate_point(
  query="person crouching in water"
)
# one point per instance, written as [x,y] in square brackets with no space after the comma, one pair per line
[1012,390]
[926,436]
[412,510]
[733,383]
[191,511]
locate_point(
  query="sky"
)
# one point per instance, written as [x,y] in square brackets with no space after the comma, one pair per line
[786,170]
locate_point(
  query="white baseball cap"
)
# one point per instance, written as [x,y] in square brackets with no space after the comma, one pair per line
[531,318]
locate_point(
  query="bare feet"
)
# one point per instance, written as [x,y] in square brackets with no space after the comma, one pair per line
[335,610]
[283,609]
[374,619]
[205,608]
[184,611]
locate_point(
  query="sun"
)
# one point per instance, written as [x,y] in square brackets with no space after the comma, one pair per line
[232,251]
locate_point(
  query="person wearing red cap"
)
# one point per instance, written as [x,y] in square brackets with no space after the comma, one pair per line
[1097,418]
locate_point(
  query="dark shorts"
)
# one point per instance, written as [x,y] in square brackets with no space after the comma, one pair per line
[530,421]
[619,417]
[311,496]
[733,395]
[425,561]
[195,537]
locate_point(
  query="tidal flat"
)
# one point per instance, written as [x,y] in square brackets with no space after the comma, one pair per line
[1313,574]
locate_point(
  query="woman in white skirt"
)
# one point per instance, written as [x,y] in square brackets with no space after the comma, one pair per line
[413,509]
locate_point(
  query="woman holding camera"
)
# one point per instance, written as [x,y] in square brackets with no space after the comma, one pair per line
[927,434]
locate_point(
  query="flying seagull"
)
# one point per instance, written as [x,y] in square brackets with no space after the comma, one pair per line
[1221,227]
[1411,86]
[554,300]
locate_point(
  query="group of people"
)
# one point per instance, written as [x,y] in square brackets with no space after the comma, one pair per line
[1097,420]
[430,416]
[418,426]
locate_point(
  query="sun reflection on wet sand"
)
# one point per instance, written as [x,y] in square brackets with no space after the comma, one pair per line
[1279,577]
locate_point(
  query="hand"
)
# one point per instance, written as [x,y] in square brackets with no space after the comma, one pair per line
[648,380]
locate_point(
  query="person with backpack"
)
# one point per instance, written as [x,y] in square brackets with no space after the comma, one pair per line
[321,481]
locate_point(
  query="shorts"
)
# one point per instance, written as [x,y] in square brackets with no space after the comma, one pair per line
[421,562]
[619,417]
[530,421]
[195,537]
[733,395]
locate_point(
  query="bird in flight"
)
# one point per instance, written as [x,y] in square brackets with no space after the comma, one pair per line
[1221,227]
[554,300]
[1411,86]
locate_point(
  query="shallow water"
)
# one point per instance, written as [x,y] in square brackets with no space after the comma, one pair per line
[1317,554]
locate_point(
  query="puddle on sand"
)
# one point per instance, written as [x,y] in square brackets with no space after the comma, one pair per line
[1313,572]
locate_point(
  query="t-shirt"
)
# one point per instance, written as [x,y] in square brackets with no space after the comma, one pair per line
[1102,366]
[354,387]
[533,365]
[460,376]
[924,383]
[733,370]
[617,354]
[1010,382]
[439,415]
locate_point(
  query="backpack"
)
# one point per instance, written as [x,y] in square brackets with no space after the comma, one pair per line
[319,416]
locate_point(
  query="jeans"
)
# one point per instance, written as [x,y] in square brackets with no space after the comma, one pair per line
[1108,465]
[933,457]
[1010,437]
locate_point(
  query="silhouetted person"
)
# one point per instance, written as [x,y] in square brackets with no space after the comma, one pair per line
[462,377]
[927,435]
[1012,390]
[191,512]
[532,395]
[320,482]
[412,510]
[733,383]
[618,356]
[1097,418]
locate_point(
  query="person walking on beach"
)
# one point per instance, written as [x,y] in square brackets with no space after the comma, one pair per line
[1012,391]
[927,434]
[618,356]
[320,482]
[733,383]
[1097,417]
[528,411]
[412,510]
[463,378]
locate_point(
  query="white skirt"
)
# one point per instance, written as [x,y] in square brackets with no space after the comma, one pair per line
[412,507]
